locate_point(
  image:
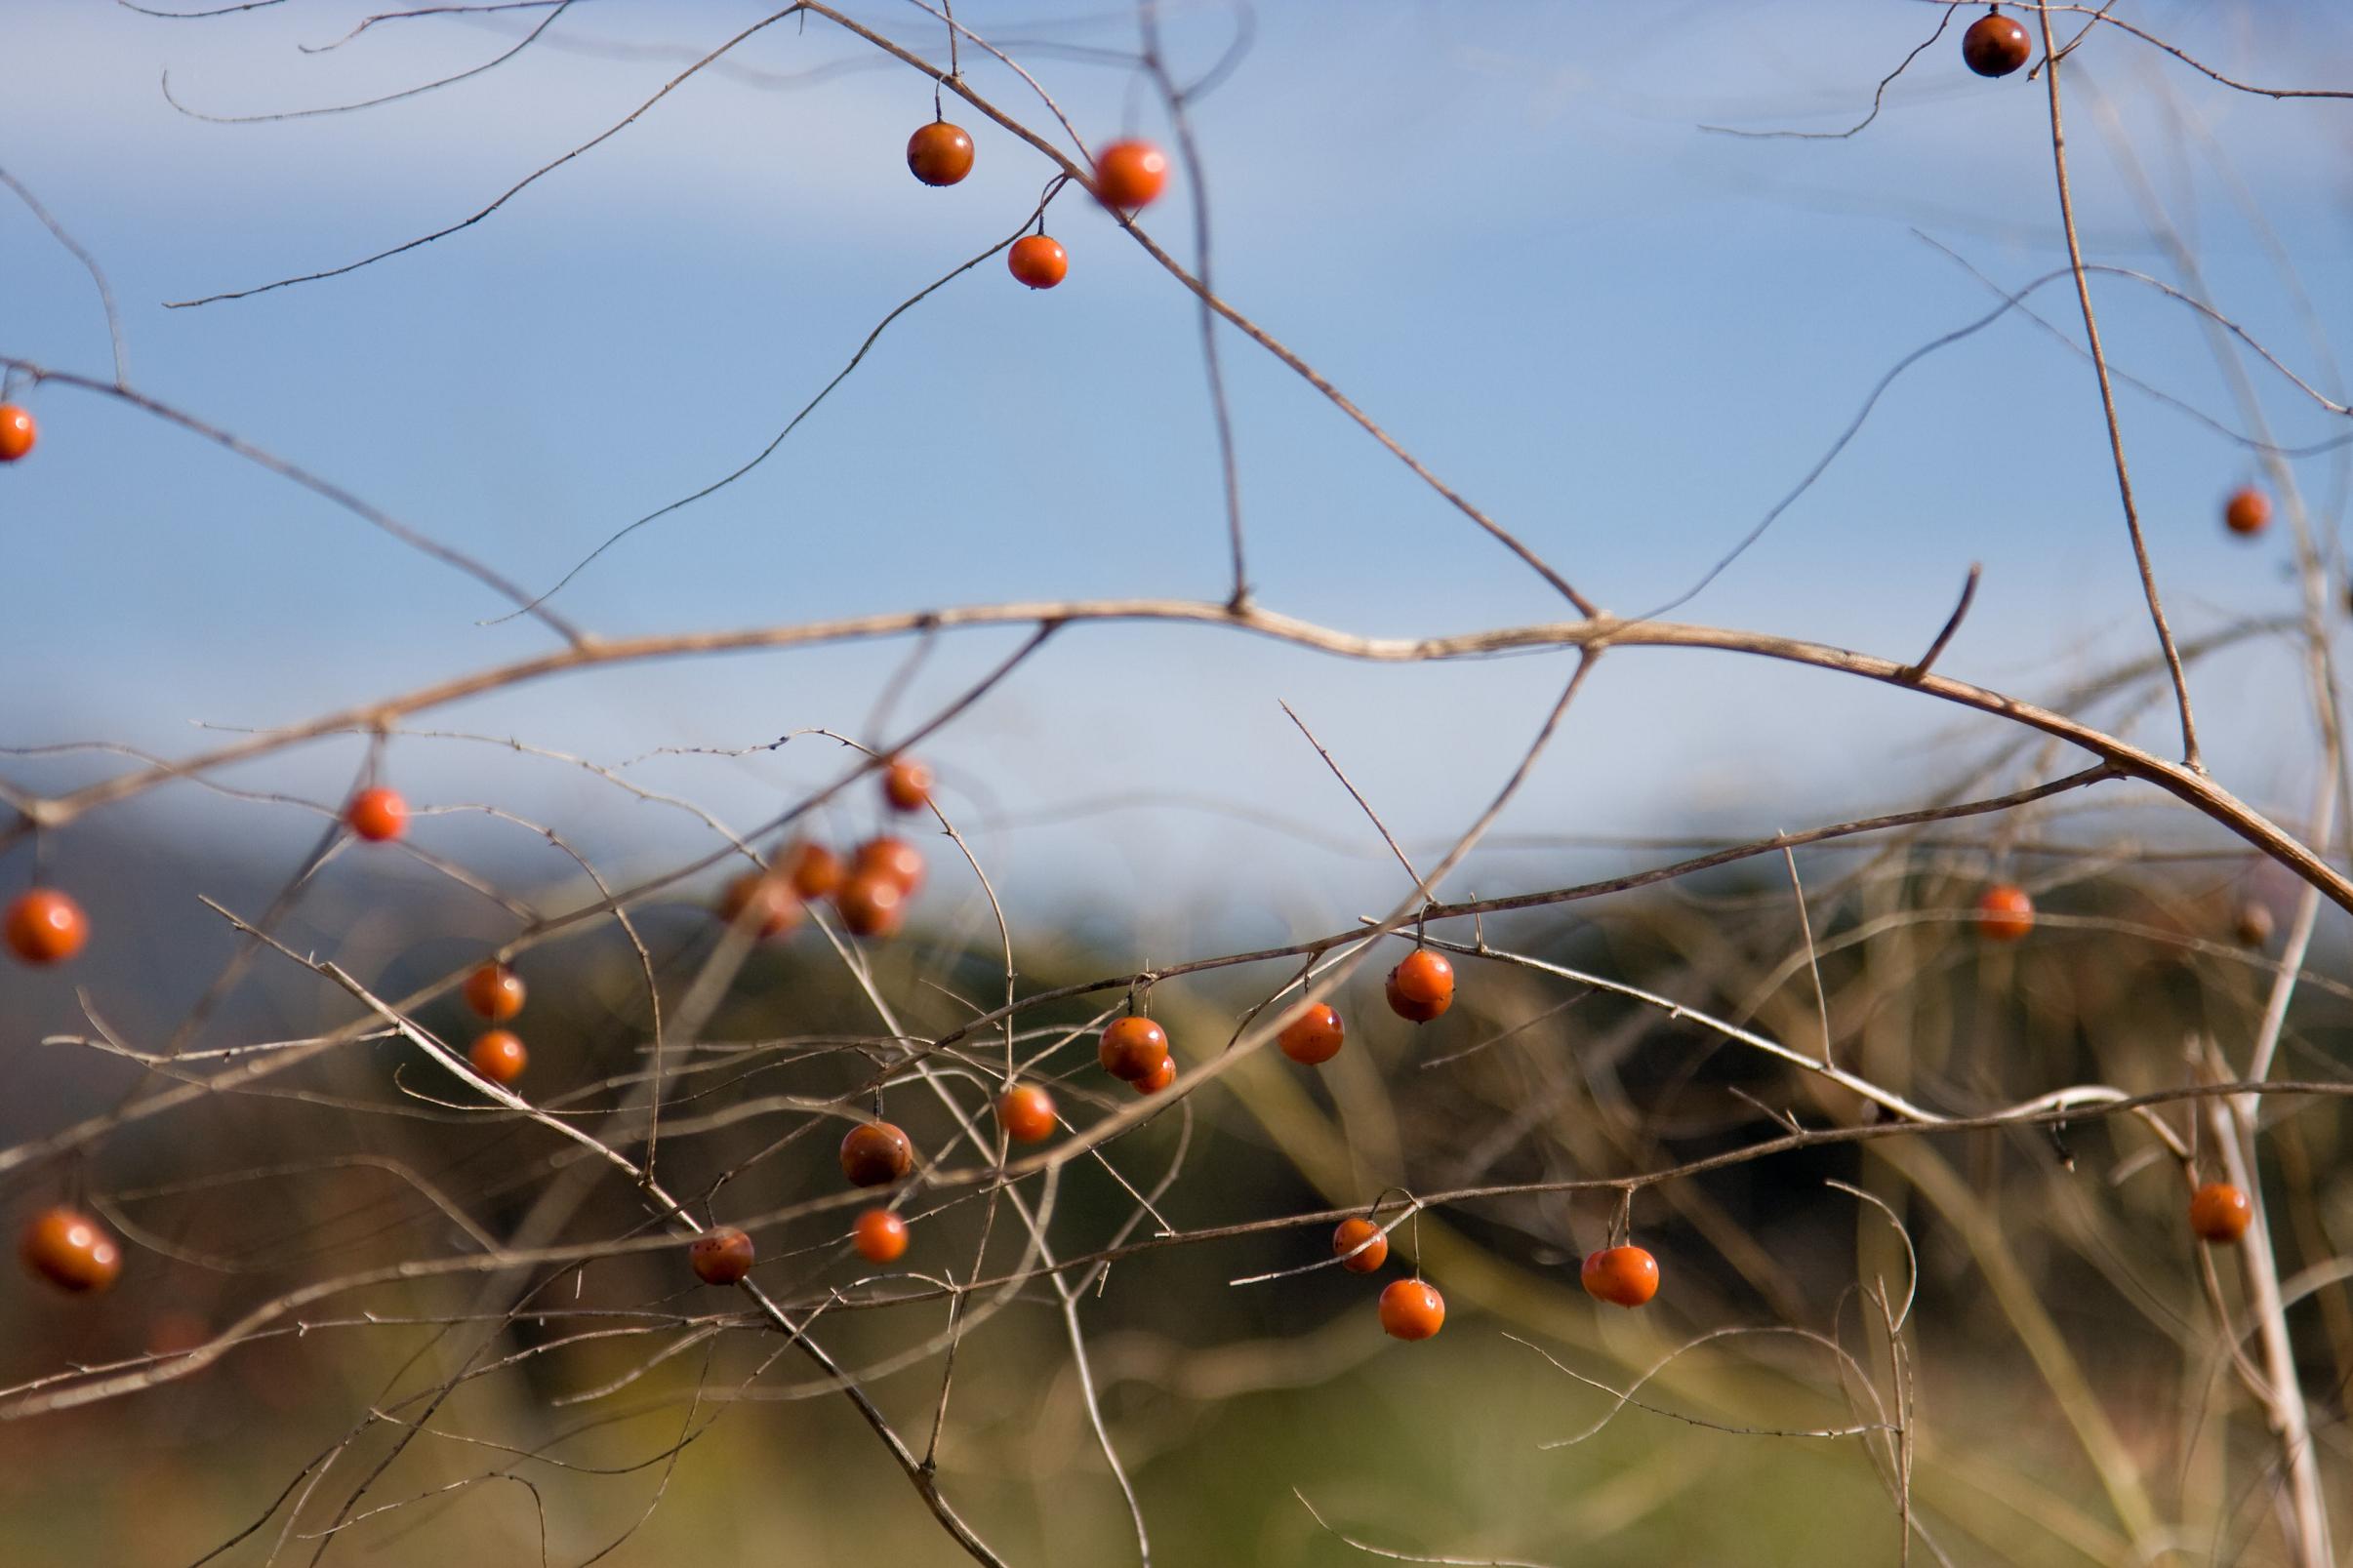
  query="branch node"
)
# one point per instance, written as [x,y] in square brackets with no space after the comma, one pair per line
[1914,674]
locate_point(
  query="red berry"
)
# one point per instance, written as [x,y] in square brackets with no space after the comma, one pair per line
[1027,1114]
[1132,1048]
[1039,261]
[1411,1309]
[1421,986]
[1130,174]
[813,870]
[17,432]
[1315,1035]
[495,992]
[720,1255]
[1626,1277]
[872,905]
[894,858]
[377,815]
[764,900]
[2005,913]
[2247,512]
[876,1153]
[906,785]
[881,1236]
[1159,1080]
[45,927]
[2220,1213]
[1355,1234]
[499,1055]
[71,1251]
[1995,45]
[939,154]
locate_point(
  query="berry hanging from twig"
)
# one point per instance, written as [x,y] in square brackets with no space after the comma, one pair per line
[1421,986]
[1995,45]
[938,153]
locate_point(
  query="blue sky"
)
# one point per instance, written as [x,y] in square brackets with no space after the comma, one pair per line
[1497,226]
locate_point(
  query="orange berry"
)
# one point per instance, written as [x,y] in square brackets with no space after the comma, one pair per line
[894,858]
[2005,913]
[720,1255]
[1626,1277]
[1027,1114]
[1159,1080]
[71,1251]
[872,905]
[1995,45]
[906,785]
[377,815]
[1315,1035]
[939,154]
[495,992]
[1132,1048]
[1421,986]
[881,1236]
[499,1055]
[45,927]
[1130,174]
[764,900]
[2247,512]
[1039,261]
[1360,1233]
[1411,1309]
[17,432]
[876,1153]
[813,870]
[2220,1213]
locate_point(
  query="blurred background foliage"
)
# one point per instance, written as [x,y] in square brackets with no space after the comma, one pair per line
[2060,1304]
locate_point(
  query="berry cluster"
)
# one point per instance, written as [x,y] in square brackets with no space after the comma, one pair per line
[870,892]
[1129,175]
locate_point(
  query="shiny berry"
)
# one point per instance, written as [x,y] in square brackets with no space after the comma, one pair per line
[45,927]
[17,432]
[1027,1114]
[872,905]
[1132,1048]
[2005,913]
[1360,1246]
[763,900]
[1411,1309]
[720,1255]
[71,1251]
[1625,1277]
[876,1153]
[1421,986]
[906,785]
[939,154]
[377,815]
[2247,512]
[1037,260]
[881,1236]
[813,870]
[499,1055]
[2220,1213]
[1157,1081]
[1130,174]
[495,992]
[1995,45]
[1314,1037]
[894,858]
